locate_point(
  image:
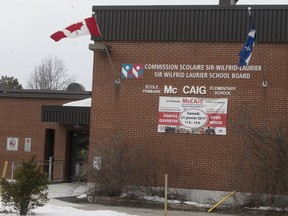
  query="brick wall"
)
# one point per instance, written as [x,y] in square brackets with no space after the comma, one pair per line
[21,118]
[192,161]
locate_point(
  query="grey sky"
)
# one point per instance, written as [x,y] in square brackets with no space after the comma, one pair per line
[26,27]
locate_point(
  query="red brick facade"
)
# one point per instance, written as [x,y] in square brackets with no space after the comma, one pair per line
[192,161]
[21,118]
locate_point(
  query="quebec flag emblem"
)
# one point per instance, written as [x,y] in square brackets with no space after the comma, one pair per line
[132,71]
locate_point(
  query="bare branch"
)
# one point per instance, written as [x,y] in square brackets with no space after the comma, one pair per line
[50,74]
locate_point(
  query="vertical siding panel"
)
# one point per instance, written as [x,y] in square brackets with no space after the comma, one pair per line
[217,27]
[155,23]
[258,23]
[273,26]
[223,21]
[213,26]
[203,25]
[200,25]
[282,26]
[243,25]
[208,25]
[191,23]
[111,24]
[118,27]
[285,26]
[185,26]
[135,24]
[267,26]
[197,28]
[225,25]
[148,21]
[178,25]
[126,25]
[177,22]
[236,35]
[168,31]
[122,25]
[182,22]
[278,25]
[173,26]
[142,25]
[188,25]
[231,21]
[137,28]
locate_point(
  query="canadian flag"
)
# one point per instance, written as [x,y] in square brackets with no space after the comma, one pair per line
[87,26]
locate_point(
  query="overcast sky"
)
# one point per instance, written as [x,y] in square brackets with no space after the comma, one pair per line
[26,26]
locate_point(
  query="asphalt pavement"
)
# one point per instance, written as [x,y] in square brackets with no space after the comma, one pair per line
[146,211]
[60,194]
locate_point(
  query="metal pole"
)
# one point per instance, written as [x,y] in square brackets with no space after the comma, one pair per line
[113,68]
[221,201]
[4,169]
[12,168]
[50,169]
[166,194]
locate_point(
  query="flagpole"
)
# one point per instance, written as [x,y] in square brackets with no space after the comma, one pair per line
[107,52]
[246,51]
[117,81]
[264,81]
[249,11]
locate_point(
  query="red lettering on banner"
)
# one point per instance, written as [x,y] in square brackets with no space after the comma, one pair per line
[192,101]
[216,120]
[168,118]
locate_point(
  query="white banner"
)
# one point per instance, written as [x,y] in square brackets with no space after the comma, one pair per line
[192,115]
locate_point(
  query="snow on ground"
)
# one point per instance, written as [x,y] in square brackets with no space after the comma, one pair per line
[161,200]
[56,207]
[50,210]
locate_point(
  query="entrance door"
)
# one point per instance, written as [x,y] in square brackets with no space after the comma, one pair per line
[78,155]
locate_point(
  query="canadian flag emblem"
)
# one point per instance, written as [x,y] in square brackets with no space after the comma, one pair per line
[87,26]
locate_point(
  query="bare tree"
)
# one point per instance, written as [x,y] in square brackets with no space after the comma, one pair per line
[265,161]
[50,74]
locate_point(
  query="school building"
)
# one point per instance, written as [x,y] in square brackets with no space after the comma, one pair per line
[171,85]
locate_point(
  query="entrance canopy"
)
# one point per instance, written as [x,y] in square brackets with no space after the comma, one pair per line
[76,112]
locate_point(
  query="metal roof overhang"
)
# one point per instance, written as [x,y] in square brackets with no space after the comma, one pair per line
[66,114]
[185,23]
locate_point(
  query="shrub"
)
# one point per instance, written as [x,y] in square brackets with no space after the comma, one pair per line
[28,190]
[115,167]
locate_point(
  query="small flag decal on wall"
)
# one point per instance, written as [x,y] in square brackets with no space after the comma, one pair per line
[132,71]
